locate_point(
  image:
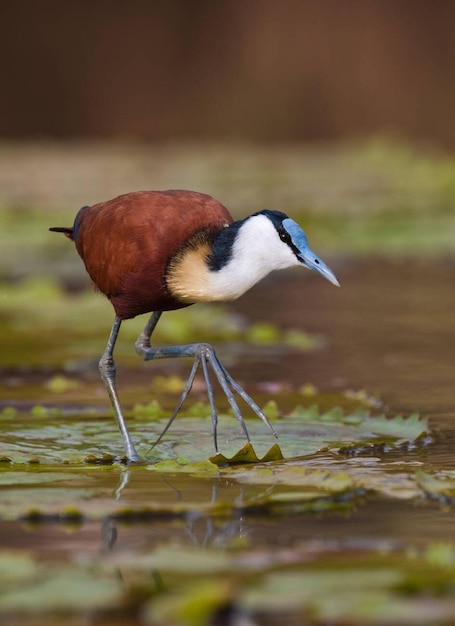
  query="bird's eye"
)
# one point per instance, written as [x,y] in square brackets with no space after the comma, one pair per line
[284,236]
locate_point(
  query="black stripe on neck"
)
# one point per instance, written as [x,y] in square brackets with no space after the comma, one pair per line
[222,246]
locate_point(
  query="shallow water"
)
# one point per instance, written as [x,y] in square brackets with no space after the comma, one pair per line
[389,331]
[389,327]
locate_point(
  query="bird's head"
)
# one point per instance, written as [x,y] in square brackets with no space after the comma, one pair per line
[289,243]
[239,256]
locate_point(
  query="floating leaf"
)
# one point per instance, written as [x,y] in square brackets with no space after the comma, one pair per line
[74,438]
[262,333]
[440,554]
[440,487]
[360,595]
[16,567]
[247,454]
[65,591]
[60,384]
[196,605]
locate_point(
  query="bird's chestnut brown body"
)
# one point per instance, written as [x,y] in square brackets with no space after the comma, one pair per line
[154,251]
[127,244]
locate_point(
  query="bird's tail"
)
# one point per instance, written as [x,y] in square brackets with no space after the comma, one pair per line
[68,232]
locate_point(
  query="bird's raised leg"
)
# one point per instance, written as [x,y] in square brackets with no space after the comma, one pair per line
[107,370]
[205,354]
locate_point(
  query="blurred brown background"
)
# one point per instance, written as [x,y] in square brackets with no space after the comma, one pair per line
[228,69]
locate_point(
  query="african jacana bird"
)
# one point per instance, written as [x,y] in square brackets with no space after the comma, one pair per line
[155,251]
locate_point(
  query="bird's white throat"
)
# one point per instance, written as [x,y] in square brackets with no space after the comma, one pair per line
[256,251]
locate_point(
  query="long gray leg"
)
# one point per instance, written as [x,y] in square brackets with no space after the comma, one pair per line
[205,354]
[107,370]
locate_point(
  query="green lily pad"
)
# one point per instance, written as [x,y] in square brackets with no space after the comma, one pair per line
[355,596]
[63,590]
[79,438]
[440,487]
[59,467]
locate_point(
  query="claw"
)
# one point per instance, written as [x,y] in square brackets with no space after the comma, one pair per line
[206,355]
[220,373]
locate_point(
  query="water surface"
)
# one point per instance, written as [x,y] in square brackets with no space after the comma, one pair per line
[389,331]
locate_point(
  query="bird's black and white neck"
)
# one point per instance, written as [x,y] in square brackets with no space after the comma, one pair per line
[225,266]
